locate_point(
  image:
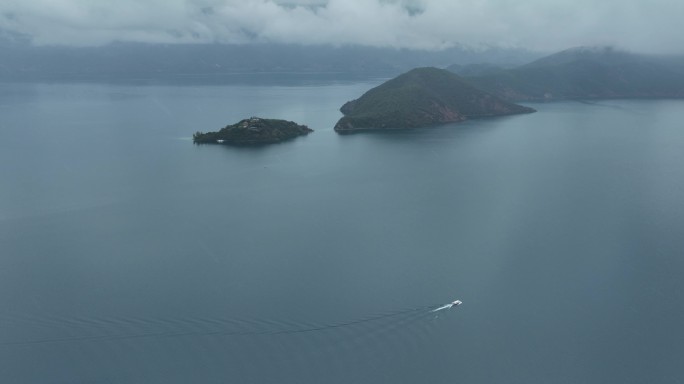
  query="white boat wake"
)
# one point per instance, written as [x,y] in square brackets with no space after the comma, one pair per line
[454,303]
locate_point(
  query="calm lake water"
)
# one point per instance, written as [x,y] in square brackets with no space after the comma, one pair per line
[130,255]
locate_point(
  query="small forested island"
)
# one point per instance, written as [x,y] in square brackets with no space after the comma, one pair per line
[253,131]
[419,98]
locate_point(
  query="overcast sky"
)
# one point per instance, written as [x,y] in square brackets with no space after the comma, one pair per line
[546,25]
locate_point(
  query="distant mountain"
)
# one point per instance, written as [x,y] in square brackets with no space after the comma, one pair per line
[476,69]
[587,73]
[21,61]
[421,97]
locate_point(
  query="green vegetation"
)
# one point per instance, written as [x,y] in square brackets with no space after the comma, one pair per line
[585,73]
[421,97]
[253,131]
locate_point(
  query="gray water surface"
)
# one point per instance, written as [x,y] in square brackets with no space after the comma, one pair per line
[130,255]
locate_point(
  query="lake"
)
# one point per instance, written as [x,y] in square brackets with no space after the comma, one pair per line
[130,255]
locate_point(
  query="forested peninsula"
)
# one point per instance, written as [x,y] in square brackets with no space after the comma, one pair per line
[419,98]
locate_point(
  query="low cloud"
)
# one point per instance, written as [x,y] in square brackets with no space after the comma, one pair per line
[423,24]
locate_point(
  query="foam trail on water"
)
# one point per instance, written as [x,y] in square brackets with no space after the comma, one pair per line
[447,306]
[454,303]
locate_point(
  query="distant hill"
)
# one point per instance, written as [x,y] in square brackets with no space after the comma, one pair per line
[587,73]
[253,131]
[21,61]
[476,69]
[421,97]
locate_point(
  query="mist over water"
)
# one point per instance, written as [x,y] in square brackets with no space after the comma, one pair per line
[130,255]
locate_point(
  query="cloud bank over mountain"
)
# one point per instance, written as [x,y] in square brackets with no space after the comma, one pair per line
[651,27]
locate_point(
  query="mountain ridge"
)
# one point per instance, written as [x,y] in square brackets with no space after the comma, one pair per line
[161,61]
[586,73]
